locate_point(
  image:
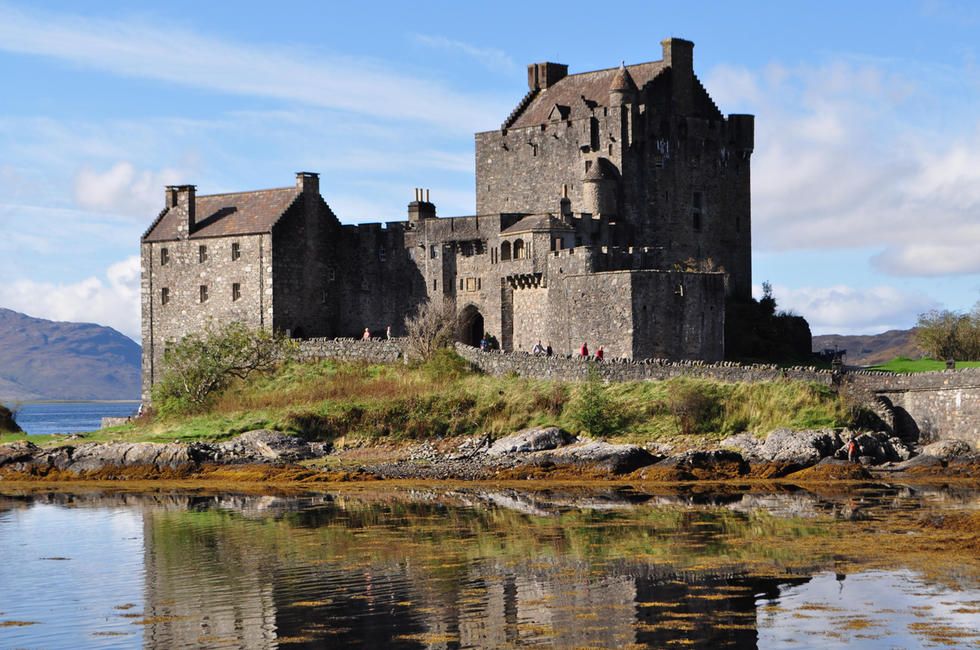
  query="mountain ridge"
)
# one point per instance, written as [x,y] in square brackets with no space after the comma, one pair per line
[870,349]
[42,359]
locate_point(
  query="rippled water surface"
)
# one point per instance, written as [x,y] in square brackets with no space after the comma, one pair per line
[69,417]
[472,567]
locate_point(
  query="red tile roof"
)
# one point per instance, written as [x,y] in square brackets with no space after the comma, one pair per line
[237,213]
[593,86]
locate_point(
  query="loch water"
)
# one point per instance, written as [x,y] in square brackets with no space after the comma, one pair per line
[388,566]
[43,418]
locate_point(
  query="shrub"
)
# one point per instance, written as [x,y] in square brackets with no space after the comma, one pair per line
[592,410]
[201,365]
[945,334]
[446,365]
[694,407]
[431,328]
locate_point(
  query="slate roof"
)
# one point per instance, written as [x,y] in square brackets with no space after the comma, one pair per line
[537,223]
[623,81]
[236,213]
[594,86]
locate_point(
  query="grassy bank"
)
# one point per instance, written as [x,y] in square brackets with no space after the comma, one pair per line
[332,400]
[902,364]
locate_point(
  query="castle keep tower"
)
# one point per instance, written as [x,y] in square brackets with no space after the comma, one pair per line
[643,144]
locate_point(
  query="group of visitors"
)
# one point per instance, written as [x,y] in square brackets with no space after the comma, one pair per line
[583,352]
[541,351]
[489,342]
[367,334]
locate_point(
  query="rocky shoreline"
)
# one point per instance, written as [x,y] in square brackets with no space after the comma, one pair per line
[546,453]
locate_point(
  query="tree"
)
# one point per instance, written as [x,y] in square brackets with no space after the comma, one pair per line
[947,334]
[201,365]
[592,410]
[430,328]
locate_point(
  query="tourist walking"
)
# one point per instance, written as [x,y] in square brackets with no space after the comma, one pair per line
[600,354]
[538,349]
[367,335]
[852,450]
[548,351]
[584,351]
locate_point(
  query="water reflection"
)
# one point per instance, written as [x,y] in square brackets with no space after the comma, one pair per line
[468,568]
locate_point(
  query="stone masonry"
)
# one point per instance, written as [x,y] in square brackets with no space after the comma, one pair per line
[613,208]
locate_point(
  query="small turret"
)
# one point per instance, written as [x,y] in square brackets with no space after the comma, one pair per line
[623,89]
[600,188]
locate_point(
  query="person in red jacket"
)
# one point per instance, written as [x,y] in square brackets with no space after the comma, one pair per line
[584,352]
[599,354]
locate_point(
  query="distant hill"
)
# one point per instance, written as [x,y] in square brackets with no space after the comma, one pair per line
[872,349]
[43,359]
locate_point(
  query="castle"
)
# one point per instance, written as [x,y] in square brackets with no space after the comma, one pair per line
[612,207]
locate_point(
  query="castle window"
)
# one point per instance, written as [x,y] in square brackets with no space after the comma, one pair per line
[461,284]
[519,251]
[236,251]
[466,248]
[382,255]
[204,293]
[164,256]
[433,251]
[588,165]
[236,291]
[164,295]
[323,297]
[471,284]
[505,250]
[435,285]
[331,274]
[202,254]
[696,207]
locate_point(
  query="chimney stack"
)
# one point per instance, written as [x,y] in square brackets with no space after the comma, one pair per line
[308,182]
[421,208]
[543,75]
[182,199]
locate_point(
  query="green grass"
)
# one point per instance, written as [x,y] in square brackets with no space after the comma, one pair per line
[902,364]
[329,400]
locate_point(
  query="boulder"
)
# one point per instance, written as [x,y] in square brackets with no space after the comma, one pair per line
[616,459]
[533,439]
[948,449]
[746,444]
[802,448]
[706,465]
[264,446]
[95,456]
[920,463]
[7,422]
[875,448]
[18,451]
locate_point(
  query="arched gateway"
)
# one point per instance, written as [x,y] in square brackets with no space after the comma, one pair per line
[470,327]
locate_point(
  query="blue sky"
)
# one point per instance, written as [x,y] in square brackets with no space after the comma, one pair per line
[866,173]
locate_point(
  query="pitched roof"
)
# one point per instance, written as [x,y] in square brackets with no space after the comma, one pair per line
[236,213]
[623,81]
[593,86]
[537,223]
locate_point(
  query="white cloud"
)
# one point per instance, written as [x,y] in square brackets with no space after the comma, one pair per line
[112,300]
[122,189]
[842,309]
[488,57]
[852,155]
[177,55]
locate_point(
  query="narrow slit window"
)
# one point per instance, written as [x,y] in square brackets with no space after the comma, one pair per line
[164,256]
[204,292]
[164,295]
[236,251]
[202,254]
[236,291]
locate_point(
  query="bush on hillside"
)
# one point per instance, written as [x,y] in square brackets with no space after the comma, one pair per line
[592,409]
[7,422]
[945,334]
[200,366]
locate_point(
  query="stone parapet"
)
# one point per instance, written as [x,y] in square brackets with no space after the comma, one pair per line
[351,349]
